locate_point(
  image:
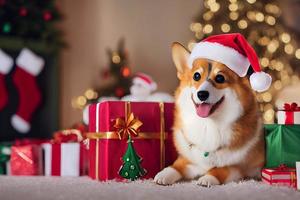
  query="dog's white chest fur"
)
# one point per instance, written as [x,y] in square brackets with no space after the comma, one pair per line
[201,136]
[208,154]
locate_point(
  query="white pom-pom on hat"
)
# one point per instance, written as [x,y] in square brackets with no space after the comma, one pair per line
[260,81]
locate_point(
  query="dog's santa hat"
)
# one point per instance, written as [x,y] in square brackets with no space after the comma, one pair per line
[145,80]
[235,52]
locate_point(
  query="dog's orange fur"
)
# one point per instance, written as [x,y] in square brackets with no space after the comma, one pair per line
[180,164]
[220,173]
[244,128]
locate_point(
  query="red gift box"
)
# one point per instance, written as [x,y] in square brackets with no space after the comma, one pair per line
[65,155]
[153,144]
[64,159]
[26,160]
[282,175]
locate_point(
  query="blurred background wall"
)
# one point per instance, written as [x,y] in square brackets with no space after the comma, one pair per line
[86,70]
[148,27]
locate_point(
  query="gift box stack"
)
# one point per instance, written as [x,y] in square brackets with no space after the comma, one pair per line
[129,139]
[126,141]
[283,149]
[64,155]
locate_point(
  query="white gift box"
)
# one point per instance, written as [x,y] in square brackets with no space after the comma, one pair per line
[62,159]
[284,116]
[289,114]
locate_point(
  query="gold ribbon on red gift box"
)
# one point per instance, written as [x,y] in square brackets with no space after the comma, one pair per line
[130,126]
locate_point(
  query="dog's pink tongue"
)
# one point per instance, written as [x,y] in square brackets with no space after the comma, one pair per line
[203,110]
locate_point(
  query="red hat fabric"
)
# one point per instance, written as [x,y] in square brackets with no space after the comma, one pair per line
[236,53]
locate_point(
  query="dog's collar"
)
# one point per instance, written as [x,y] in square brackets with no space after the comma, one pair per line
[192,145]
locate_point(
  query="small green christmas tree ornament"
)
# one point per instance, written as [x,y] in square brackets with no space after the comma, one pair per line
[131,168]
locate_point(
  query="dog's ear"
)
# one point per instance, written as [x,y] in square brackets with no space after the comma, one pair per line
[180,58]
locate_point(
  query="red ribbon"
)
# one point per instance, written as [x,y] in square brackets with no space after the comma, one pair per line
[289,112]
[56,159]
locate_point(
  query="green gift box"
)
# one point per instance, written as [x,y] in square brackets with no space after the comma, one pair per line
[4,157]
[282,145]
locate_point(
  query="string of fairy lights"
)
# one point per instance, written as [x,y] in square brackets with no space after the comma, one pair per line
[261,24]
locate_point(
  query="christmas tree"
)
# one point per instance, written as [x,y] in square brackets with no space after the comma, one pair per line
[115,80]
[31,24]
[131,168]
[262,25]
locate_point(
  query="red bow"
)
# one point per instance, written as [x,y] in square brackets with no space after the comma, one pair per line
[291,107]
[69,135]
[283,167]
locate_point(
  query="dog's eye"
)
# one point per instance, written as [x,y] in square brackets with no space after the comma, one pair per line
[220,78]
[197,76]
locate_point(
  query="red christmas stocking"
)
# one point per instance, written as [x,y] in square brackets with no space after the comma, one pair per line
[29,65]
[6,63]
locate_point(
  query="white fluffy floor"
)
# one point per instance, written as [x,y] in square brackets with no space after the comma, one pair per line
[56,188]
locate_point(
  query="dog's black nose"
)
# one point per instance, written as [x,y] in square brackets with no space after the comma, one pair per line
[203,95]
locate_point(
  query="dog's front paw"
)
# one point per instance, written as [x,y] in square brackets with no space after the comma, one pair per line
[208,180]
[167,176]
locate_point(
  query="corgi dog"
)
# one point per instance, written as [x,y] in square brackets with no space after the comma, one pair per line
[217,128]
